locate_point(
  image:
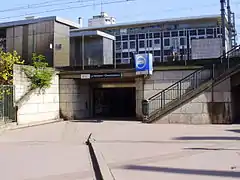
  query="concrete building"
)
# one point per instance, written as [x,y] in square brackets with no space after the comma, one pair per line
[101,20]
[48,36]
[180,37]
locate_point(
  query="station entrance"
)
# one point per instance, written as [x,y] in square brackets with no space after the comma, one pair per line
[114,102]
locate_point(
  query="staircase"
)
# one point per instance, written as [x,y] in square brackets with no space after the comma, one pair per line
[190,86]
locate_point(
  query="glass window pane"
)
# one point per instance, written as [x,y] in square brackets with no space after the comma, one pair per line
[193,32]
[132,37]
[182,42]
[132,44]
[118,55]
[125,45]
[209,31]
[156,35]
[125,55]
[174,33]
[181,33]
[166,42]
[156,41]
[118,45]
[201,31]
[141,44]
[118,38]
[157,53]
[149,43]
[166,34]
[125,37]
[141,36]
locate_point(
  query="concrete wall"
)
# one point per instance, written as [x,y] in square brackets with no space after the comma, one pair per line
[74,99]
[211,107]
[160,80]
[35,107]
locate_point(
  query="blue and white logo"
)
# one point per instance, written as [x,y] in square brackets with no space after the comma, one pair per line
[140,62]
[143,63]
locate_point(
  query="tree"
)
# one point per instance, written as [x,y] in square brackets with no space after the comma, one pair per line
[39,73]
[7,61]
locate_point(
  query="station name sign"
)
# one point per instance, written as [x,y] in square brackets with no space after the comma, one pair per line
[102,75]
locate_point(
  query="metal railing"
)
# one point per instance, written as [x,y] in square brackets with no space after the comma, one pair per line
[7,109]
[190,83]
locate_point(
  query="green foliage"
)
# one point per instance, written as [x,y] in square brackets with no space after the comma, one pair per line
[7,60]
[39,73]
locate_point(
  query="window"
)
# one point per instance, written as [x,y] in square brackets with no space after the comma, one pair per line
[118,55]
[167,52]
[193,32]
[209,37]
[156,53]
[149,43]
[118,46]
[182,42]
[201,31]
[219,31]
[141,44]
[156,35]
[201,37]
[166,34]
[125,55]
[174,33]
[125,45]
[125,37]
[209,31]
[118,38]
[132,37]
[166,42]
[149,35]
[132,44]
[141,36]
[141,52]
[181,33]
[156,41]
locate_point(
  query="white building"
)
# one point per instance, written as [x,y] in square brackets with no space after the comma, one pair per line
[101,20]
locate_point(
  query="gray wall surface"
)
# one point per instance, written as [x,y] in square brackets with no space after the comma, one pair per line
[31,38]
[61,45]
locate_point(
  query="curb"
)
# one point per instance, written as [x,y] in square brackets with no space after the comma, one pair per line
[15,126]
[99,165]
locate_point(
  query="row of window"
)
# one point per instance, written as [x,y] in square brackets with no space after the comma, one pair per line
[167,34]
[156,43]
[156,53]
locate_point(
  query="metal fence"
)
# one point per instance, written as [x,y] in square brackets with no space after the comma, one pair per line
[7,109]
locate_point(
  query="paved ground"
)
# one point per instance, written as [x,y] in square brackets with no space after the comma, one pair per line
[132,150]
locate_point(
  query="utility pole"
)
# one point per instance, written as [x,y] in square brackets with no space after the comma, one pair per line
[229,24]
[223,28]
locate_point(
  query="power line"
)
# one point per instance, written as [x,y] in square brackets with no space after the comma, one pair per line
[67,8]
[36,5]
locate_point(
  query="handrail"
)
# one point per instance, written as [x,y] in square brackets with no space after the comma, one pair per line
[186,77]
[199,70]
[180,89]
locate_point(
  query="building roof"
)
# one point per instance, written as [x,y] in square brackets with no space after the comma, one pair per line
[138,23]
[71,24]
[80,33]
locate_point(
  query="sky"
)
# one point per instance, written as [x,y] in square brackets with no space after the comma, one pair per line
[135,10]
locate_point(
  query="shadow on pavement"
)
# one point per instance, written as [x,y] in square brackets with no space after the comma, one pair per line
[234,130]
[233,174]
[207,138]
[212,149]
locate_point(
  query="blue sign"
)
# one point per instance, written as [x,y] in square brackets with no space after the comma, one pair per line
[144,63]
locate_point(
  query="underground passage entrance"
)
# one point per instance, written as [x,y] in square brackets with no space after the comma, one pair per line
[114,102]
[236,104]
